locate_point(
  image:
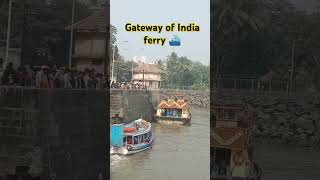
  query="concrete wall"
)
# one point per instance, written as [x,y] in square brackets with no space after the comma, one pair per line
[69,127]
[132,104]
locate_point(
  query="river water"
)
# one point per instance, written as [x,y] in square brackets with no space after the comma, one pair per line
[282,162]
[182,152]
[178,152]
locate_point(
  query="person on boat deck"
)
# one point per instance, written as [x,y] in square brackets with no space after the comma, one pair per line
[221,167]
[136,140]
[129,140]
[179,113]
[162,112]
[174,113]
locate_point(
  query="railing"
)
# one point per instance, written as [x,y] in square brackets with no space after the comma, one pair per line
[183,88]
[258,86]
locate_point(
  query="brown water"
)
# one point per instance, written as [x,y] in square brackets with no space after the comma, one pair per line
[178,152]
[280,162]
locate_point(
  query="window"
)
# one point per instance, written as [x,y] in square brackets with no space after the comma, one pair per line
[136,140]
[129,140]
[145,137]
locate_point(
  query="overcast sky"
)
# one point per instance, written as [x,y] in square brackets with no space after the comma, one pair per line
[194,45]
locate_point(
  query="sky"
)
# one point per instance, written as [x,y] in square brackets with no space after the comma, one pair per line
[194,45]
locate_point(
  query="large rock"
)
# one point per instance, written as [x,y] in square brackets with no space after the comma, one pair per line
[305,122]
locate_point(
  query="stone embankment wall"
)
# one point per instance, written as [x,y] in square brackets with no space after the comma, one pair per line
[59,133]
[132,104]
[281,118]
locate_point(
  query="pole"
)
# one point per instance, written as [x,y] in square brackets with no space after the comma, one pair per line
[132,72]
[71,35]
[25,13]
[8,35]
[143,78]
[114,47]
[292,65]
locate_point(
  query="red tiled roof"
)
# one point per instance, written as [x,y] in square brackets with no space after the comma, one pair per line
[96,22]
[147,68]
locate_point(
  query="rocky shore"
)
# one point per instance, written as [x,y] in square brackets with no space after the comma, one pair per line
[199,99]
[281,119]
[287,120]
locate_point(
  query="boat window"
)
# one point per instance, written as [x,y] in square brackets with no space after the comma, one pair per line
[136,140]
[124,140]
[145,137]
[220,162]
[129,140]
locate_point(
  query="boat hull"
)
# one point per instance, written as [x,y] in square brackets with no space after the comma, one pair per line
[172,120]
[126,150]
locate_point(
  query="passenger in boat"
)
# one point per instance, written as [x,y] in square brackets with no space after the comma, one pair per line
[174,113]
[145,137]
[163,112]
[135,140]
[220,167]
[129,140]
[179,113]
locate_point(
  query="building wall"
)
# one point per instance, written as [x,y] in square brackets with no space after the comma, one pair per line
[147,76]
[14,56]
[95,47]
[89,52]
[68,126]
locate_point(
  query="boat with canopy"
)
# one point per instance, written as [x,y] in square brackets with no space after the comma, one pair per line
[126,139]
[173,110]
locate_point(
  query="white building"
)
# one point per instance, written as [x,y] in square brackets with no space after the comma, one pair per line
[147,74]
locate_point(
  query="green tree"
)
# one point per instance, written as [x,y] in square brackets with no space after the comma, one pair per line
[182,72]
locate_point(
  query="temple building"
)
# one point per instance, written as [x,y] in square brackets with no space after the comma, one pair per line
[148,75]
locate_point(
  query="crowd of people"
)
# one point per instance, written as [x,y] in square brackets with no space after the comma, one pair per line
[59,77]
[52,77]
[126,85]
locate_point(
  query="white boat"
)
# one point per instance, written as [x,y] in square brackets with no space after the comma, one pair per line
[131,138]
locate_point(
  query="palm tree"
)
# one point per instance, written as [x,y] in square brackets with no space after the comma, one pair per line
[234,14]
[232,19]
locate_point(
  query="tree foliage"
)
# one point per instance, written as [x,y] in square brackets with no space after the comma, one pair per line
[254,37]
[182,72]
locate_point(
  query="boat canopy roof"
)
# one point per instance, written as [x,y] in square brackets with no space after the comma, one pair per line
[140,127]
[172,104]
